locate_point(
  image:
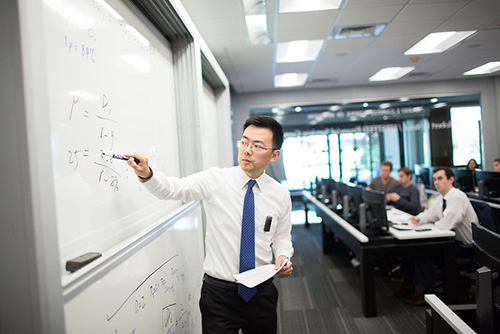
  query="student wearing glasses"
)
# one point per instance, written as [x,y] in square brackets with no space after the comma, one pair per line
[233,197]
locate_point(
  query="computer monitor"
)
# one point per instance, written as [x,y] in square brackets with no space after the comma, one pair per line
[342,194]
[355,194]
[464,180]
[422,175]
[488,183]
[376,215]
[327,186]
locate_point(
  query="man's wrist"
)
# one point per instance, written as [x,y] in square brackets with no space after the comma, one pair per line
[148,177]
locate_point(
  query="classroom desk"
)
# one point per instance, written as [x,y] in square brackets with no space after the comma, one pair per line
[369,249]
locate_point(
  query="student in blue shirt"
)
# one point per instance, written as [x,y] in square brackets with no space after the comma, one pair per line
[405,196]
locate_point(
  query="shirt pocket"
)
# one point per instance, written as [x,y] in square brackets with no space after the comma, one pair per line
[266,224]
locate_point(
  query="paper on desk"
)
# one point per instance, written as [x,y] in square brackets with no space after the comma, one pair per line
[254,277]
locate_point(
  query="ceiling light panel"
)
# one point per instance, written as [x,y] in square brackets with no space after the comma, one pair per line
[488,68]
[391,73]
[294,6]
[298,51]
[290,79]
[438,42]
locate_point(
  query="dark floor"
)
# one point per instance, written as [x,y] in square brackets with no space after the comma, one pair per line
[323,294]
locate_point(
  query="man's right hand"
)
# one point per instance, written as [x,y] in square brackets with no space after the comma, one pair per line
[415,220]
[142,168]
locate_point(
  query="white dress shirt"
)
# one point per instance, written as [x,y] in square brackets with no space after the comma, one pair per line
[458,215]
[223,191]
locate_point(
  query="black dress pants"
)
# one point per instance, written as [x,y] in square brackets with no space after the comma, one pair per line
[223,311]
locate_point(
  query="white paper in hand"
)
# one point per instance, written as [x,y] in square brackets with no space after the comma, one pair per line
[254,277]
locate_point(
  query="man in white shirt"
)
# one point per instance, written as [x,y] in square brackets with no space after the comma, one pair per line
[451,210]
[224,193]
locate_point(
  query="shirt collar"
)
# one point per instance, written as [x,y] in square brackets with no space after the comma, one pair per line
[243,179]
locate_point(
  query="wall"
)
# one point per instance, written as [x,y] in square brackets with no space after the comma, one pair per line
[488,88]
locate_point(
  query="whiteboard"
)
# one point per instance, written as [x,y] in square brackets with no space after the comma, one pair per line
[154,291]
[110,86]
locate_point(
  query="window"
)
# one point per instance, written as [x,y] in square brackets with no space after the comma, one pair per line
[466,134]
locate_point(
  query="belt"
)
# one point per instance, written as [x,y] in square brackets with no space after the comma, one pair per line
[229,285]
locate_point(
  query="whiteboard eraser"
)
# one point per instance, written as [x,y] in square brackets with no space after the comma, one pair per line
[81,261]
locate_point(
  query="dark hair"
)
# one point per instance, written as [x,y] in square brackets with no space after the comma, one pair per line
[386,163]
[497,160]
[447,171]
[406,170]
[267,123]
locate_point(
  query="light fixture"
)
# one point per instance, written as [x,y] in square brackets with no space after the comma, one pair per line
[440,105]
[256,21]
[293,6]
[487,68]
[391,73]
[290,79]
[298,109]
[358,31]
[298,51]
[438,42]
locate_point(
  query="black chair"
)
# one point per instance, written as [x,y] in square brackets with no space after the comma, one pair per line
[486,215]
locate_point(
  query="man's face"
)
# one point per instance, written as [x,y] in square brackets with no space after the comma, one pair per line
[385,172]
[496,166]
[250,160]
[404,179]
[443,185]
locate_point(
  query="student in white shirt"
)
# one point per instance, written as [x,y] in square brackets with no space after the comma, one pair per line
[223,191]
[451,210]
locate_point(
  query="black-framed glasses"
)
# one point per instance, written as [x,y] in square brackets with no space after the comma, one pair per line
[254,147]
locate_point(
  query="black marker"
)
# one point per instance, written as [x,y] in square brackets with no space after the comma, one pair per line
[120,157]
[267,225]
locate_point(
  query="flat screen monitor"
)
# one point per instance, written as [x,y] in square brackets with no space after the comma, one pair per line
[376,215]
[326,188]
[490,183]
[342,191]
[464,180]
[355,194]
[422,175]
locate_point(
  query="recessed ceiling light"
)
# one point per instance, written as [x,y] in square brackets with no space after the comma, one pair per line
[290,79]
[391,73]
[488,68]
[438,42]
[298,51]
[257,29]
[292,6]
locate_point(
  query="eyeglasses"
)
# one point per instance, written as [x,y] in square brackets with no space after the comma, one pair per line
[254,147]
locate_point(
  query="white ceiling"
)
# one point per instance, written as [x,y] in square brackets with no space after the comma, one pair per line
[349,62]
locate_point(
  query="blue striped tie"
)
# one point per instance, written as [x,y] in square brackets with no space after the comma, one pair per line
[247,247]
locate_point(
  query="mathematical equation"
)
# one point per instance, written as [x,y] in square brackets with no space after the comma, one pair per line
[105,134]
[176,317]
[84,49]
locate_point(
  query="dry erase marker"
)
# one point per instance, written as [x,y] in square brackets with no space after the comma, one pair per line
[121,157]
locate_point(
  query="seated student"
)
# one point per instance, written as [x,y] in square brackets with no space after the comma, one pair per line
[405,196]
[451,210]
[496,165]
[471,166]
[384,182]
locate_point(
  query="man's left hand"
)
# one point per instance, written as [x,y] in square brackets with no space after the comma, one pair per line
[287,268]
